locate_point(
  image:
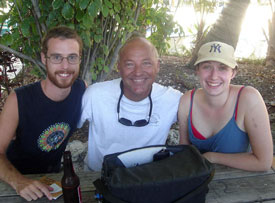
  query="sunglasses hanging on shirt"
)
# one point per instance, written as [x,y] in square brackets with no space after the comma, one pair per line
[127,122]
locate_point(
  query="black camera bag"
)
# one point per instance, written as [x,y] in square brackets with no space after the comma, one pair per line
[160,174]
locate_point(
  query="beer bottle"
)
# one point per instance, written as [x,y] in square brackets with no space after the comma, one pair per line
[70,181]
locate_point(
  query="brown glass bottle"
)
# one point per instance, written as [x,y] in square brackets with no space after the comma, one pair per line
[70,181]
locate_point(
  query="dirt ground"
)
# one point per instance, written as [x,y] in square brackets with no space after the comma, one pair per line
[175,73]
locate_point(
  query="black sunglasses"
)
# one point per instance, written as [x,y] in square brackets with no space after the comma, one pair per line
[127,122]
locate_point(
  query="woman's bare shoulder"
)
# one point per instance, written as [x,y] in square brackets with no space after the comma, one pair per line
[185,98]
[250,96]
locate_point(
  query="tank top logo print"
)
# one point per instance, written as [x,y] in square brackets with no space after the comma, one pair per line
[52,137]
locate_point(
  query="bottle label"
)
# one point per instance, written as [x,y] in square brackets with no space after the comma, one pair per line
[79,194]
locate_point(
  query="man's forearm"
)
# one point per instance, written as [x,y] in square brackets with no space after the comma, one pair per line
[8,172]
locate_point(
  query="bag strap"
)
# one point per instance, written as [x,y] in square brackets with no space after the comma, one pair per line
[197,190]
[105,192]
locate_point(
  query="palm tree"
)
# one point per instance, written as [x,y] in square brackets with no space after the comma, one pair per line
[227,28]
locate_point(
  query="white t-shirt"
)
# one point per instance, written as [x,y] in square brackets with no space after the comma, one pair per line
[107,135]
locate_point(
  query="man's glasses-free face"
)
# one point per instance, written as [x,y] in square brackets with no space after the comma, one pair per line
[127,122]
[57,59]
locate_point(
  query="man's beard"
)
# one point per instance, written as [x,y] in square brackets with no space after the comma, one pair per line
[62,83]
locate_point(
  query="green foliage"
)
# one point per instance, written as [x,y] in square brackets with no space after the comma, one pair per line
[254,61]
[202,9]
[6,83]
[3,4]
[157,21]
[205,5]
[103,25]
[185,51]
[35,71]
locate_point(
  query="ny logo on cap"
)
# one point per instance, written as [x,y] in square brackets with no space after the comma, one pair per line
[215,48]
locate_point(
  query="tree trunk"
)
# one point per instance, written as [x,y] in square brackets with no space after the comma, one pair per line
[270,56]
[227,28]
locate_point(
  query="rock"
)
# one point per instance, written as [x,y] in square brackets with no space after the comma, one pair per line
[173,137]
[78,150]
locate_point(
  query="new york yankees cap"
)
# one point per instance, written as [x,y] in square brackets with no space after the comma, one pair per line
[217,51]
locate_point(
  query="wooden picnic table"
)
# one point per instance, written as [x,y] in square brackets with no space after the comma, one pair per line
[228,185]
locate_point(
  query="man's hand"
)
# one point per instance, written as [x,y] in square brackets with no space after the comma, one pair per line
[32,189]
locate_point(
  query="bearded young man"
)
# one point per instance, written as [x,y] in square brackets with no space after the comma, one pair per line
[38,119]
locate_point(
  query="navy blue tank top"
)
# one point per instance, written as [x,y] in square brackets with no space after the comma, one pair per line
[44,128]
[230,139]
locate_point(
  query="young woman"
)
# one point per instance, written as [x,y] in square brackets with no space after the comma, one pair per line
[228,123]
